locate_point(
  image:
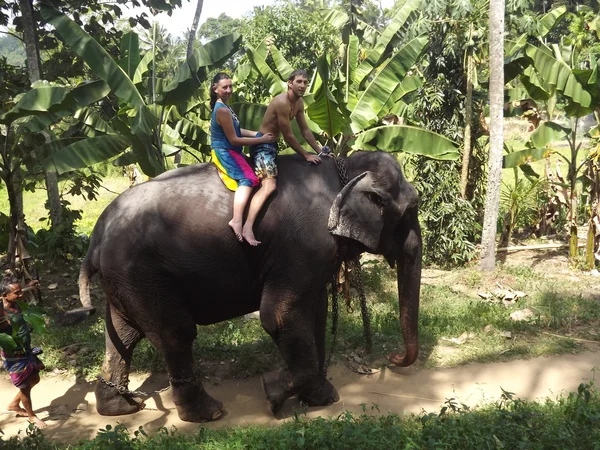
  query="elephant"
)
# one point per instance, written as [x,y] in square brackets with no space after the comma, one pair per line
[167,262]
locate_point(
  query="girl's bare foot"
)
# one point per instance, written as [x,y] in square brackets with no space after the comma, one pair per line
[237,229]
[248,234]
[38,422]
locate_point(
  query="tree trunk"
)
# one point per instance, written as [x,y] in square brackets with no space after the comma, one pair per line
[35,74]
[572,176]
[468,119]
[492,201]
[194,29]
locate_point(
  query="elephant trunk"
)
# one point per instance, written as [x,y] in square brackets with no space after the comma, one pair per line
[409,287]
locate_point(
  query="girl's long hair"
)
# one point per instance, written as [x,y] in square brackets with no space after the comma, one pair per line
[213,95]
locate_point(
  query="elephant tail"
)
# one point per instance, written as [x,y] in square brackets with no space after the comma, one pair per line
[77,315]
[85,274]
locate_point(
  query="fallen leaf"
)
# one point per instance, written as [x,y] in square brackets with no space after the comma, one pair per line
[52,286]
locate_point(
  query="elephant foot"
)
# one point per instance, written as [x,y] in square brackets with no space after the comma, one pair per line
[109,402]
[195,405]
[323,395]
[276,389]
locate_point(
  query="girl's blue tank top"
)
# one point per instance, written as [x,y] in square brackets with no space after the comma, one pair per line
[218,139]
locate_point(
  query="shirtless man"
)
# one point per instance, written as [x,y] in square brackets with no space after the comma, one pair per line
[277,120]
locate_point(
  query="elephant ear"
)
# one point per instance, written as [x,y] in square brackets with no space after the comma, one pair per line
[358,211]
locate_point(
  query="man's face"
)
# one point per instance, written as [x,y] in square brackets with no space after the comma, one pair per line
[298,85]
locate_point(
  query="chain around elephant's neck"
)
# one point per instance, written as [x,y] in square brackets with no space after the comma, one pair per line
[340,163]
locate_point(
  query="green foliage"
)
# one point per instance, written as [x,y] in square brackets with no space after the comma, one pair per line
[567,422]
[302,36]
[451,225]
[12,49]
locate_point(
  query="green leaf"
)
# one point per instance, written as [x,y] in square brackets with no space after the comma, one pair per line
[142,68]
[250,114]
[281,64]
[325,111]
[83,153]
[408,139]
[546,133]
[371,103]
[338,19]
[36,321]
[130,53]
[7,343]
[93,120]
[193,71]
[78,97]
[549,20]
[521,157]
[558,75]
[258,58]
[375,56]
[94,55]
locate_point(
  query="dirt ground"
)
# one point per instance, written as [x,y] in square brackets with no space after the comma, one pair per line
[67,405]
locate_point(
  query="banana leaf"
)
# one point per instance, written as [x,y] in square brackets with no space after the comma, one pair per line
[407,139]
[336,18]
[522,157]
[193,71]
[325,111]
[82,153]
[283,67]
[130,53]
[547,133]
[373,100]
[90,118]
[142,68]
[258,58]
[549,20]
[557,74]
[94,55]
[375,56]
[249,114]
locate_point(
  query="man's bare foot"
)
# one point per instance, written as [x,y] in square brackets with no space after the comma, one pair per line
[20,412]
[38,422]
[248,234]
[237,229]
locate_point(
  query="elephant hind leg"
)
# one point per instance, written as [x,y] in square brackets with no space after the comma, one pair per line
[193,403]
[121,339]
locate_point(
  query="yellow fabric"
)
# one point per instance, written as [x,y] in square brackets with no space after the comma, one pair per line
[229,182]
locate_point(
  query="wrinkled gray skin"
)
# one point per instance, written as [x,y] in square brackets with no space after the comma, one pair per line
[167,261]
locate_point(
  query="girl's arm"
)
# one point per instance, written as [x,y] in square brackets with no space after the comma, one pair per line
[248,133]
[226,121]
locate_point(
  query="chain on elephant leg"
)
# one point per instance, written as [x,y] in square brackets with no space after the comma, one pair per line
[324,394]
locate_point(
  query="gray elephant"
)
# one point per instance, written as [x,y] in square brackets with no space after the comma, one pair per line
[158,242]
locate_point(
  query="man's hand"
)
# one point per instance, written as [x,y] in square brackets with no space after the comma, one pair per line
[313,159]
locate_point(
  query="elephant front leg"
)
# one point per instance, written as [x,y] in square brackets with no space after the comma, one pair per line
[193,403]
[112,397]
[297,327]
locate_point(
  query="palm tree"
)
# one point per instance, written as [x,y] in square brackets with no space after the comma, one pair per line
[492,202]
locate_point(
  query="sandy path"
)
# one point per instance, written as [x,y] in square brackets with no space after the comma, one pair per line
[69,407]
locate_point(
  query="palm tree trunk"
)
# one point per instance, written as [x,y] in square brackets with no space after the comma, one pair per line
[35,74]
[492,201]
[194,29]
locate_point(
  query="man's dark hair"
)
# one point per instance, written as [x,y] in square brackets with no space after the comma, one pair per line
[213,95]
[297,73]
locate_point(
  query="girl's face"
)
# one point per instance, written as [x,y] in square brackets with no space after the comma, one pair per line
[223,89]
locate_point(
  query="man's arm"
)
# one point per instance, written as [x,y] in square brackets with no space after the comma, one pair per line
[285,127]
[306,133]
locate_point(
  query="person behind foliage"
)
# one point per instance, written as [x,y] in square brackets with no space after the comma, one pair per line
[22,362]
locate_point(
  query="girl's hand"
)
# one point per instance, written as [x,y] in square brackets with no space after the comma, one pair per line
[268,138]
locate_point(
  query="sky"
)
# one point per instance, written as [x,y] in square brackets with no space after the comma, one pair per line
[181,18]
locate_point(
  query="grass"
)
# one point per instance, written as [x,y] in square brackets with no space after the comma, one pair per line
[451,309]
[36,214]
[571,421]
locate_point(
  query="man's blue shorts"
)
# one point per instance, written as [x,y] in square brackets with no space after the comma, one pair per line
[265,165]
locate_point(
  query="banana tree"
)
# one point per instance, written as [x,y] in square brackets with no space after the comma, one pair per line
[549,72]
[142,131]
[345,109]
